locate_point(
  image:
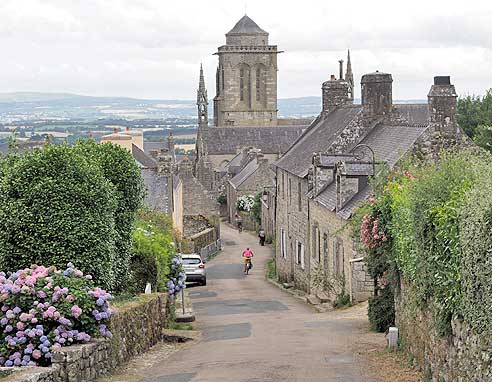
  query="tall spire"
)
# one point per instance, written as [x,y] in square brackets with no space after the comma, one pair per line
[201,86]
[349,76]
[202,104]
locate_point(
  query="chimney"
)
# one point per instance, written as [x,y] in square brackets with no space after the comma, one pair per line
[334,93]
[341,69]
[377,98]
[442,106]
[171,146]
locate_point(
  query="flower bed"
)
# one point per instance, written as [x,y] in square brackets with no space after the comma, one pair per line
[44,309]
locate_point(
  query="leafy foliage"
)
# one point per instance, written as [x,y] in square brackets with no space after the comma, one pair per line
[152,252]
[222,199]
[57,207]
[43,309]
[245,203]
[121,170]
[474,111]
[381,311]
[256,209]
[438,223]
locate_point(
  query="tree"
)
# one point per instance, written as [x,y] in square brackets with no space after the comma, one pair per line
[474,111]
[483,137]
[121,170]
[57,207]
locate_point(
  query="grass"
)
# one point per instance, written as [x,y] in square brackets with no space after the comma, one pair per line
[178,326]
[123,298]
[271,270]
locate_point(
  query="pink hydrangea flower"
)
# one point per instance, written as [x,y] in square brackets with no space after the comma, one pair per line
[76,311]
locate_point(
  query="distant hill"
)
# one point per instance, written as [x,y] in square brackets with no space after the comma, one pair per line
[65,106]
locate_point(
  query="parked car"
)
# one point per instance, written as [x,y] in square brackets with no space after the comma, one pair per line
[194,268]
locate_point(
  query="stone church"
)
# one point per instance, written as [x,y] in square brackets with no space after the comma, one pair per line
[245,105]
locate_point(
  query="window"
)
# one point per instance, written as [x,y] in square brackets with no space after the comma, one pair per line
[222,71]
[299,194]
[325,252]
[300,253]
[283,186]
[290,191]
[258,84]
[241,84]
[338,256]
[283,244]
[314,240]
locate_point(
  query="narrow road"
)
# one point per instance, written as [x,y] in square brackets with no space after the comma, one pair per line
[253,331]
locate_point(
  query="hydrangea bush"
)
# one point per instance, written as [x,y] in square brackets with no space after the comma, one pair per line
[177,277]
[43,309]
[245,203]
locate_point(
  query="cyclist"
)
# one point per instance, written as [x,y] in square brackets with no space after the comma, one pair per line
[248,255]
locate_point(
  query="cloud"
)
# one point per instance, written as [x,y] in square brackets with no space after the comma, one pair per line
[151,48]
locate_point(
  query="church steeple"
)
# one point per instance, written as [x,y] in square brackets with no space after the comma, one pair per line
[349,76]
[202,102]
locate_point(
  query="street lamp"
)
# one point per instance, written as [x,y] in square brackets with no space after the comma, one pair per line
[359,156]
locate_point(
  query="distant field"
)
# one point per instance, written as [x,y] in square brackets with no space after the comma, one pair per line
[186,147]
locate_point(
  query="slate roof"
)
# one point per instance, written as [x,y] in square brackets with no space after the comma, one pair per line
[317,138]
[270,140]
[389,143]
[246,26]
[410,114]
[143,159]
[157,197]
[245,173]
[150,146]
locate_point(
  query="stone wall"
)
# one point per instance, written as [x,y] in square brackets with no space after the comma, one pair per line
[292,217]
[136,328]
[462,356]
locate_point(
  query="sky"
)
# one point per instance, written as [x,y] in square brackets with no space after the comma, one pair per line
[153,48]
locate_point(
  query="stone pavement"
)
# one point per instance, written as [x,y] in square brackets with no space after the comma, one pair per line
[252,331]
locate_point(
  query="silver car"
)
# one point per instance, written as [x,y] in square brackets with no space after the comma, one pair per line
[194,268]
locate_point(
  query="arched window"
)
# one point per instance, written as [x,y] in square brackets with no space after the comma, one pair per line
[241,84]
[258,84]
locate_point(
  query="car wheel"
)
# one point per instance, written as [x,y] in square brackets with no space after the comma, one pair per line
[204,282]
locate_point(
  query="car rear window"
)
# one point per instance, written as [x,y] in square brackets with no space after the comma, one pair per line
[188,261]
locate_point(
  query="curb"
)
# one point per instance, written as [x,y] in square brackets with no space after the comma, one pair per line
[292,292]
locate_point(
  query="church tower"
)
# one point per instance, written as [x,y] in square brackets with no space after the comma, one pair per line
[246,82]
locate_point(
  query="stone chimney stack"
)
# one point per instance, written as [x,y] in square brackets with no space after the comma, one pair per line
[442,106]
[335,93]
[171,146]
[377,98]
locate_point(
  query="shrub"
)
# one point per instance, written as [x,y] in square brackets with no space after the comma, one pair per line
[43,309]
[152,251]
[57,207]
[176,277]
[119,167]
[222,199]
[476,264]
[245,203]
[381,310]
[256,209]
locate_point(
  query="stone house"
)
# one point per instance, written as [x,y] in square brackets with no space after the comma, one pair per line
[324,176]
[253,178]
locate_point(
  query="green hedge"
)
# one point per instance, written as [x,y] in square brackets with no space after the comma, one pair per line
[120,169]
[56,208]
[440,230]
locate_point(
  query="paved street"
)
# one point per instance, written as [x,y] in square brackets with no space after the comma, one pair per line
[253,331]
